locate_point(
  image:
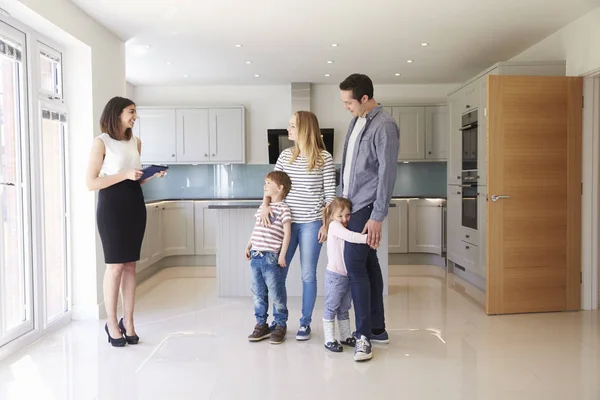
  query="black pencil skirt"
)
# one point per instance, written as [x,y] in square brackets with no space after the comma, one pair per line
[121,220]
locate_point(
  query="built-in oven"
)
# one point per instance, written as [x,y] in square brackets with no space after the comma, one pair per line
[278,141]
[469,140]
[469,199]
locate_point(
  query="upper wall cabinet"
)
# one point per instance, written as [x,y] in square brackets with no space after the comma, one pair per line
[424,132]
[156,128]
[192,135]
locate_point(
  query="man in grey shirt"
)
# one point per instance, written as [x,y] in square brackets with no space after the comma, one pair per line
[368,177]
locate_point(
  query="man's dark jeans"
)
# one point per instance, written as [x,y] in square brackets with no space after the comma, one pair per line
[366,281]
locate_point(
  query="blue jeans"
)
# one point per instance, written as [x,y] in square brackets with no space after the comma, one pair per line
[268,279]
[307,237]
[338,297]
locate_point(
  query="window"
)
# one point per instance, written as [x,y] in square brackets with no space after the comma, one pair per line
[54,212]
[34,273]
[15,265]
[50,72]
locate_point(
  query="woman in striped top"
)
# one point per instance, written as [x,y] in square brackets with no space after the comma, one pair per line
[312,172]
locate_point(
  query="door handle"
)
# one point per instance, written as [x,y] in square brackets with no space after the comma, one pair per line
[495,197]
[7,184]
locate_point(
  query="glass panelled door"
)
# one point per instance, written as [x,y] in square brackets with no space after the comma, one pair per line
[15,234]
[54,212]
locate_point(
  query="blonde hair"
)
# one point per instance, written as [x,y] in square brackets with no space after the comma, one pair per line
[309,140]
[339,203]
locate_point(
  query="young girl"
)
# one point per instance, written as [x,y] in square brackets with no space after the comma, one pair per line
[338,298]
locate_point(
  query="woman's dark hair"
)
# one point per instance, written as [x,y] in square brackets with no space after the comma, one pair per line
[110,121]
[360,84]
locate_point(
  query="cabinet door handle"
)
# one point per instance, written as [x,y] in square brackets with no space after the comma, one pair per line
[467,247]
[457,192]
[205,155]
[173,155]
[212,155]
[7,184]
[429,152]
[467,236]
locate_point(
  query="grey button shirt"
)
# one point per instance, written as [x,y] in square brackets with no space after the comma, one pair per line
[374,163]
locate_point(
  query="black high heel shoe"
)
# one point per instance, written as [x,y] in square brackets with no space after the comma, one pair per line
[118,342]
[130,339]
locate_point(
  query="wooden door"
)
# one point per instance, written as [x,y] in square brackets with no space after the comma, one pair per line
[534,159]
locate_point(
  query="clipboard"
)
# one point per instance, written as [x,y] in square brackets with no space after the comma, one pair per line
[153,169]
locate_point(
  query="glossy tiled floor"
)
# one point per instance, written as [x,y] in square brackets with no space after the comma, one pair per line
[194,346]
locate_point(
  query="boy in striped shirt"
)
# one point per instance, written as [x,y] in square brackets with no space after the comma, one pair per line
[266,252]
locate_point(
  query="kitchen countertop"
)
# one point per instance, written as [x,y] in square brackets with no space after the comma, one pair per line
[260,199]
[244,206]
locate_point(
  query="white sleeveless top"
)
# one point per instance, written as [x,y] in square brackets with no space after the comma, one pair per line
[120,155]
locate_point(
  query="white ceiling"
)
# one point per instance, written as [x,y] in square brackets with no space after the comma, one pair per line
[290,40]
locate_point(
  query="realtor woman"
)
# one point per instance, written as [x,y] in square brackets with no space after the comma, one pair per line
[114,170]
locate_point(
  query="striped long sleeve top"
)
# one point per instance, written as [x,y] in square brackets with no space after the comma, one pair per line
[311,190]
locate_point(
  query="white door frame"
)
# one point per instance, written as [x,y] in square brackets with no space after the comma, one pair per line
[591,192]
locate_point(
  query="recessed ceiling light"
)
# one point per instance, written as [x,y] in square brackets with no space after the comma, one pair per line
[257,76]
[326,74]
[147,46]
[169,63]
[397,74]
[186,76]
[334,45]
[409,61]
[238,45]
[329,62]
[424,44]
[248,62]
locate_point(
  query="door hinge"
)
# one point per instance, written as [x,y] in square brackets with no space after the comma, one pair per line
[581,277]
[582,101]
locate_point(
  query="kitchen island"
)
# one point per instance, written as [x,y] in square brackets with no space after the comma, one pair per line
[235,225]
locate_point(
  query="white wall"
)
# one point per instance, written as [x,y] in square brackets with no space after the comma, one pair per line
[130,91]
[269,107]
[578,43]
[94,72]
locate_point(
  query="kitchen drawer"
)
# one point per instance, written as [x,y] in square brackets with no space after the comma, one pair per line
[471,257]
[469,235]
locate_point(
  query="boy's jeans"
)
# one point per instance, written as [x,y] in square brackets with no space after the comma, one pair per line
[268,279]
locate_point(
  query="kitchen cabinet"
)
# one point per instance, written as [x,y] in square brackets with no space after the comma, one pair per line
[177,224]
[152,247]
[472,96]
[453,225]
[411,122]
[437,132]
[205,227]
[193,133]
[398,226]
[455,107]
[425,226]
[202,135]
[424,132]
[157,130]
[227,139]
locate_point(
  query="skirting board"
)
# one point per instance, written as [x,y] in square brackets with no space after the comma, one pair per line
[416,259]
[161,276]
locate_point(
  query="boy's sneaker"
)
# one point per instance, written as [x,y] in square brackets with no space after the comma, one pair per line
[303,333]
[362,351]
[278,335]
[261,332]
